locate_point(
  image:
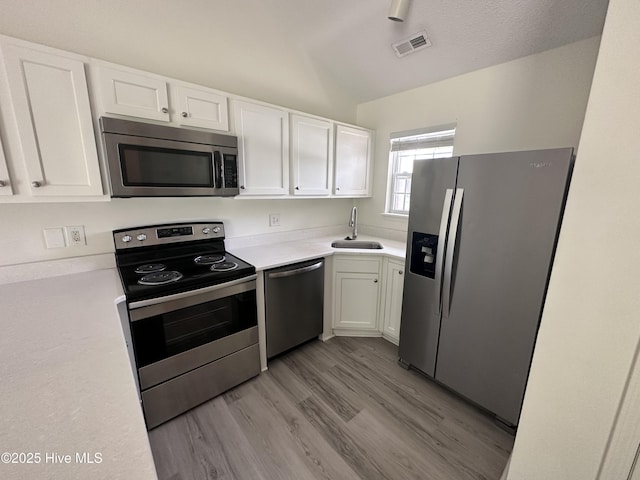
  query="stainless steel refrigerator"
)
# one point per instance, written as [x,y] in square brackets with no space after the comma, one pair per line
[481,239]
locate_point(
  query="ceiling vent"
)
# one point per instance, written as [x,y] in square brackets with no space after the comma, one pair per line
[415,42]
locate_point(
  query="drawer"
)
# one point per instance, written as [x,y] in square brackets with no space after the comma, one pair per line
[356,264]
[169,399]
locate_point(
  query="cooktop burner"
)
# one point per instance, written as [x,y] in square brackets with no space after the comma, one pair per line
[161,260]
[151,268]
[160,278]
[223,266]
[208,259]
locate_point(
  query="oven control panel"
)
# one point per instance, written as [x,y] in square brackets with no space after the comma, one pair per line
[166,234]
[175,232]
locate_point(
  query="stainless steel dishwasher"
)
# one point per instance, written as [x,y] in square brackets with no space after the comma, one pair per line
[294,297]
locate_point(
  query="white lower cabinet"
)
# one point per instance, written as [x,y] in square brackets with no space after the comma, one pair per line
[363,305]
[5,181]
[53,150]
[357,301]
[393,287]
[356,293]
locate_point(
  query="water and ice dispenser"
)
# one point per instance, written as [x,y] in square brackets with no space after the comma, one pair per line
[424,252]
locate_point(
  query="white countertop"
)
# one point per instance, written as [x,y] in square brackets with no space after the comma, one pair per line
[273,255]
[67,385]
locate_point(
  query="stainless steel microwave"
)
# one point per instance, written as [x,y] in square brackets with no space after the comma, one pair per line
[148,160]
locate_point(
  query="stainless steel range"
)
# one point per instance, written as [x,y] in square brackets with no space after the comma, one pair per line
[192,311]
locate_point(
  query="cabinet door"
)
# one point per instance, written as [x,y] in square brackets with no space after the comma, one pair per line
[356,301]
[132,94]
[5,181]
[263,144]
[51,105]
[311,150]
[353,162]
[199,108]
[394,283]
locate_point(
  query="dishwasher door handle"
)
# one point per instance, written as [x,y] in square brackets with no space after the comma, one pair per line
[297,271]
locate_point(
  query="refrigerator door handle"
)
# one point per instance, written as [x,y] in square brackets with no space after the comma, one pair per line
[442,238]
[451,246]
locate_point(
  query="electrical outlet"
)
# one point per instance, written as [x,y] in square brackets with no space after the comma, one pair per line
[274,219]
[75,235]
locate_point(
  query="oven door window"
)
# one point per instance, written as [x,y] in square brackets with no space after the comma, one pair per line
[168,334]
[144,166]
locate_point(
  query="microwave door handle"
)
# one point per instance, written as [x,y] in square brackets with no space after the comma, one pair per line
[217,167]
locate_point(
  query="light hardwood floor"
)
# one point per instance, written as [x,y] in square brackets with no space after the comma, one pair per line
[343,409]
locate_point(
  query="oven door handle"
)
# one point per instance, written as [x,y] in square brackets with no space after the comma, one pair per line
[190,293]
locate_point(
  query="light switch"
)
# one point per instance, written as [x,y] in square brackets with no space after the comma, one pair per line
[54,237]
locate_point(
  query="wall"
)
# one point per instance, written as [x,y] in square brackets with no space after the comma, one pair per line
[165,37]
[23,240]
[533,102]
[590,327]
[213,43]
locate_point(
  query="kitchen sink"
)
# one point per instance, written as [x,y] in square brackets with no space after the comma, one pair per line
[356,244]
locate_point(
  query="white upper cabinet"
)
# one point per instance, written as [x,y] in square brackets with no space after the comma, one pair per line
[54,144]
[263,144]
[134,93]
[50,150]
[353,161]
[311,155]
[5,181]
[130,93]
[199,107]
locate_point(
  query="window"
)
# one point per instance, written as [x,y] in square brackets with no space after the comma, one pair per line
[407,147]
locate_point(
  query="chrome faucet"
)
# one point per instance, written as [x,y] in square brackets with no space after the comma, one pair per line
[353,223]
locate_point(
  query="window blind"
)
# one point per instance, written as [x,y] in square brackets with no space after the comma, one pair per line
[407,147]
[419,141]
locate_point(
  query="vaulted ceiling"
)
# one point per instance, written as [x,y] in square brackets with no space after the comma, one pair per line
[326,50]
[352,39]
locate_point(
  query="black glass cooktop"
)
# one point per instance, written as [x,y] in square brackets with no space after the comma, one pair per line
[220,267]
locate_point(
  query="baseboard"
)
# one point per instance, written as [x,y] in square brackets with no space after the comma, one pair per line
[345,332]
[390,339]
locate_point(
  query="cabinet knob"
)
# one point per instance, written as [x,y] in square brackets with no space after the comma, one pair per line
[400,272]
[185,114]
[241,187]
[375,280]
[165,110]
[36,184]
[297,188]
[2,183]
[337,188]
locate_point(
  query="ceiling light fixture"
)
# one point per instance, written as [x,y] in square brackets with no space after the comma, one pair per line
[398,10]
